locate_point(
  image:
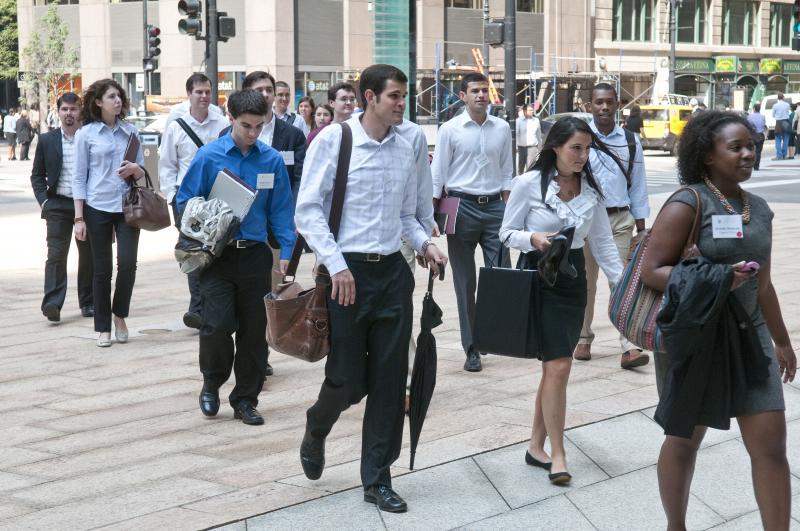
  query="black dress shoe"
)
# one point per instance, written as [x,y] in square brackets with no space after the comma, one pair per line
[52,312]
[560,478]
[248,414]
[535,462]
[385,498]
[473,363]
[192,320]
[87,311]
[269,371]
[312,455]
[209,401]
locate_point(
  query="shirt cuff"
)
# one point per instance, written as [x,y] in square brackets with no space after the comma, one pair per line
[640,212]
[336,264]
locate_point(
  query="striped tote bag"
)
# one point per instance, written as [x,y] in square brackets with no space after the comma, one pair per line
[633,306]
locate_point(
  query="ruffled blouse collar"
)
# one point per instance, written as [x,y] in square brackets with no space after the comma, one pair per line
[562,209]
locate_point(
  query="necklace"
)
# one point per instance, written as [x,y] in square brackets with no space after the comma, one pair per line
[727,205]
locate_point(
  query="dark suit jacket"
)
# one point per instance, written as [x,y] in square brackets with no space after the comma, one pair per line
[287,137]
[47,165]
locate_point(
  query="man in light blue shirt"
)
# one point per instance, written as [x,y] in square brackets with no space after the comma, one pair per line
[758,122]
[234,285]
[625,190]
[781,111]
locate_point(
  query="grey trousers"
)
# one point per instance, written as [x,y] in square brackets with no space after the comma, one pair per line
[475,225]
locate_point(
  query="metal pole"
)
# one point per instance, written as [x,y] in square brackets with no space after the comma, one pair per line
[485,44]
[144,54]
[412,60]
[510,83]
[212,40]
[672,37]
[437,75]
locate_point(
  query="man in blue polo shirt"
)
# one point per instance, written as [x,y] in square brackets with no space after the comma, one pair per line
[234,285]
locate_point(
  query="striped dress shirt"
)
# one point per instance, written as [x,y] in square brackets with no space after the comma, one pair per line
[64,186]
[380,202]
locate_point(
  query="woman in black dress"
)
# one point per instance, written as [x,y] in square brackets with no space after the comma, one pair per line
[559,192]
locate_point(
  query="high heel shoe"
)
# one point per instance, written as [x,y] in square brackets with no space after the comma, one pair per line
[104,339]
[529,459]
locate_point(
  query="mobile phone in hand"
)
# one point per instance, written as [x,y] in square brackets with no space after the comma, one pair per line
[750,267]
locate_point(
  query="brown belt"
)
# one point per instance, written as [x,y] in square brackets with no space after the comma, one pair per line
[616,210]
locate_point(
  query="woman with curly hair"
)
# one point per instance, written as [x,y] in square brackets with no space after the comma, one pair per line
[101,180]
[559,192]
[305,115]
[716,155]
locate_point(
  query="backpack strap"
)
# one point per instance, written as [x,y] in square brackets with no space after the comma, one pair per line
[631,141]
[188,130]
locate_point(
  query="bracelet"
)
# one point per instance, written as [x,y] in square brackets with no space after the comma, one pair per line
[78,220]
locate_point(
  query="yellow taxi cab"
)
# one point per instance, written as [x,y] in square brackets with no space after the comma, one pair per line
[663,125]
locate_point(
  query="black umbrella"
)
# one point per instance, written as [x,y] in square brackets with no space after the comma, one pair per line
[423,376]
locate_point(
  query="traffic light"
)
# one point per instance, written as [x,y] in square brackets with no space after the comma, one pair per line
[796,26]
[226,26]
[153,51]
[191,25]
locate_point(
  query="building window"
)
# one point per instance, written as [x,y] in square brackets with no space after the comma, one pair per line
[780,25]
[633,20]
[530,6]
[58,2]
[691,18]
[739,22]
[465,4]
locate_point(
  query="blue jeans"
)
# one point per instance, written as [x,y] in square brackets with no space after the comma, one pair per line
[782,141]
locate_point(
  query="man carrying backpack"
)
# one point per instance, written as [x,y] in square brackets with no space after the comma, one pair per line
[626,203]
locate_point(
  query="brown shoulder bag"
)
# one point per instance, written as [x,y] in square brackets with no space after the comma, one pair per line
[297,319]
[144,208]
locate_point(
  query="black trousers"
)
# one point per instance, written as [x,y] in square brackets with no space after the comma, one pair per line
[759,149]
[59,212]
[369,357]
[102,227]
[24,147]
[232,291]
[193,279]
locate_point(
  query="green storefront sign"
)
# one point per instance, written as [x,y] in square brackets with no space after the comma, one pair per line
[693,66]
[791,67]
[748,66]
[771,66]
[726,64]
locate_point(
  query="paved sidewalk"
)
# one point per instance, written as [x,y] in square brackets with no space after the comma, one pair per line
[113,438]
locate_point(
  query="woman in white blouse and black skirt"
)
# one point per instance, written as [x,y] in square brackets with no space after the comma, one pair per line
[558,192]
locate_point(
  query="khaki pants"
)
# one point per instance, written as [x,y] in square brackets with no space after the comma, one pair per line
[622,224]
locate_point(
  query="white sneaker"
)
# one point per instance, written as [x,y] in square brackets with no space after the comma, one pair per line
[104,339]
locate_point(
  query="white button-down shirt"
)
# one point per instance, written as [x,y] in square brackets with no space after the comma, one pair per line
[379,204]
[527,213]
[529,132]
[416,137]
[268,131]
[177,149]
[473,159]
[64,186]
[612,178]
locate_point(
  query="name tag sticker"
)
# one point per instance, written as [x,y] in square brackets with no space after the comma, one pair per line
[482,160]
[265,181]
[728,226]
[288,157]
[580,205]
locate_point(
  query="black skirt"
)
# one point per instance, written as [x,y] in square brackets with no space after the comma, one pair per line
[561,307]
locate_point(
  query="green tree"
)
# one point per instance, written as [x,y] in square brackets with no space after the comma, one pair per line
[9,47]
[47,59]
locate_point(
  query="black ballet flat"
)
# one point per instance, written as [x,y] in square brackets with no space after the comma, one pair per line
[535,462]
[560,478]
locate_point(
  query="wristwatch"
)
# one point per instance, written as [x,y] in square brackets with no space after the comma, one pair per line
[78,220]
[425,246]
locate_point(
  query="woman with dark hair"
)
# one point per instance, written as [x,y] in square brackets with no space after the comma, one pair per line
[559,192]
[305,115]
[716,154]
[102,178]
[323,116]
[634,122]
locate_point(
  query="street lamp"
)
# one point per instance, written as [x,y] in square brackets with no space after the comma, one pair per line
[673,37]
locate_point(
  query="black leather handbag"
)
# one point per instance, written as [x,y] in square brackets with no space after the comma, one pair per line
[507,310]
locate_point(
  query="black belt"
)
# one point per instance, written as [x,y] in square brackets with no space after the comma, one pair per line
[480,199]
[244,244]
[616,210]
[367,257]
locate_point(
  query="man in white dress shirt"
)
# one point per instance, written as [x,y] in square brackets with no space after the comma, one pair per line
[474,162]
[369,299]
[176,154]
[529,138]
[626,203]
[283,95]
